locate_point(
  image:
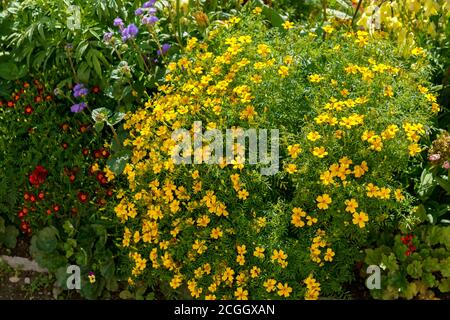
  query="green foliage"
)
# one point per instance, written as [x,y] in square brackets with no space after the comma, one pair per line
[414,269]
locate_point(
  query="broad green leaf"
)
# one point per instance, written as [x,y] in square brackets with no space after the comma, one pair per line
[101,114]
[115,118]
[46,239]
[99,126]
[427,184]
[117,163]
[9,237]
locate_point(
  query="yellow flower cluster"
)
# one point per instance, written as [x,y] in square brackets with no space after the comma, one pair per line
[220,230]
[313,288]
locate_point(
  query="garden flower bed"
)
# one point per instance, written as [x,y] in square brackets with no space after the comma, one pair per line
[227,150]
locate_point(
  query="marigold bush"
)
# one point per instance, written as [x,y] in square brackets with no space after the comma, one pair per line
[350,118]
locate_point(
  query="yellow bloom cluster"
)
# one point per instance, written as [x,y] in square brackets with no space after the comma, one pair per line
[223,231]
[313,288]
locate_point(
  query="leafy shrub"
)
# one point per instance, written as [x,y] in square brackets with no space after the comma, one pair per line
[350,119]
[417,265]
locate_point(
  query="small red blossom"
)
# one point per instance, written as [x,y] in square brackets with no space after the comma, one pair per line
[83,197]
[38,176]
[95,89]
[29,110]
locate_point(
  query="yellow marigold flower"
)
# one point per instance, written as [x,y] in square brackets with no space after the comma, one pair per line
[360,219]
[288,25]
[278,255]
[255,272]
[329,255]
[210,297]
[283,71]
[319,152]
[326,178]
[240,259]
[313,136]
[176,281]
[372,190]
[199,246]
[294,150]
[435,107]
[328,29]
[257,10]
[259,252]
[315,78]
[216,233]
[241,294]
[310,220]
[398,195]
[243,194]
[228,275]
[388,92]
[109,174]
[195,174]
[284,290]
[291,168]
[297,215]
[256,78]
[414,149]
[384,193]
[351,204]
[323,201]
[270,284]
[418,51]
[288,60]
[263,50]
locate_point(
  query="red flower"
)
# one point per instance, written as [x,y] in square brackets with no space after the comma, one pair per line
[95,89]
[41,195]
[38,176]
[29,110]
[10,104]
[83,197]
[37,99]
[56,208]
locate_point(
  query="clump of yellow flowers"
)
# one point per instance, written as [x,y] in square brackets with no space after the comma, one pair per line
[350,118]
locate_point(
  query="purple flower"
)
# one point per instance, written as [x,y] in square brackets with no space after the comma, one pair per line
[149,4]
[446,165]
[129,32]
[79,90]
[78,107]
[152,10]
[164,48]
[149,20]
[107,36]
[138,12]
[118,22]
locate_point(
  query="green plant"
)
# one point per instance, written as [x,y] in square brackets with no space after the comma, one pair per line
[350,120]
[415,265]
[8,234]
